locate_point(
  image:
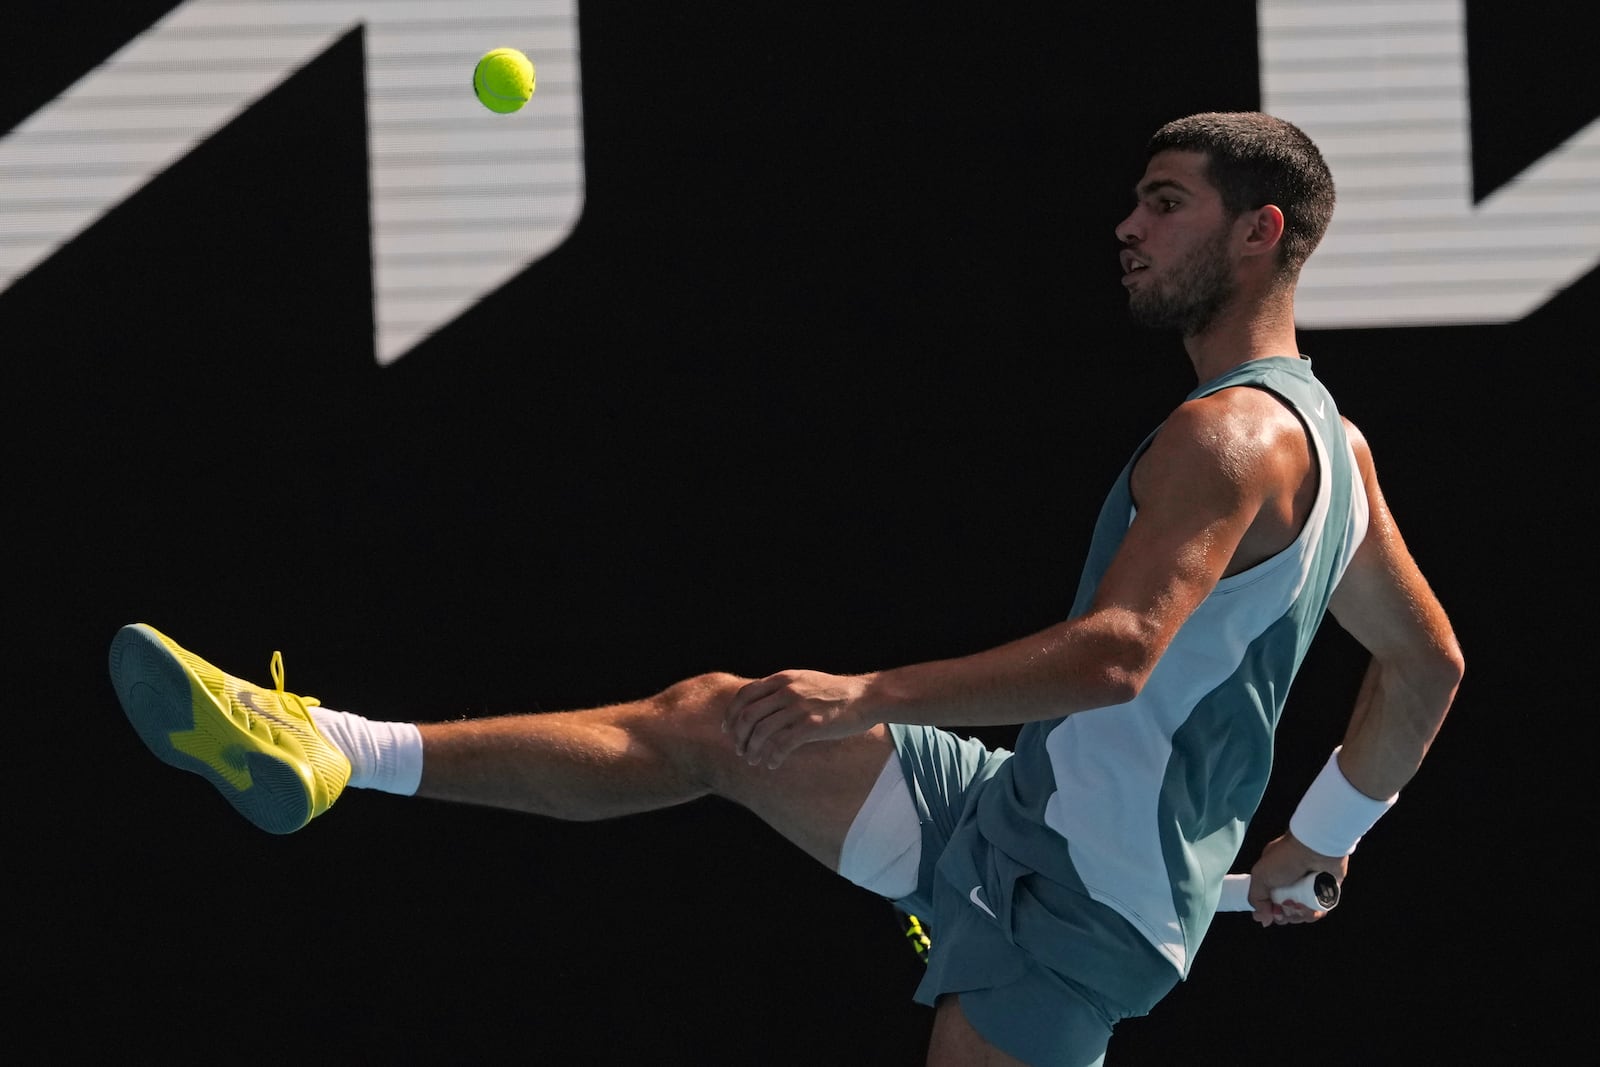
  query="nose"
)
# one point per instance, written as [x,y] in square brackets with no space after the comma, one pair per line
[1128,230]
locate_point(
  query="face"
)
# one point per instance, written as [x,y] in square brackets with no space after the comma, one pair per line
[1176,256]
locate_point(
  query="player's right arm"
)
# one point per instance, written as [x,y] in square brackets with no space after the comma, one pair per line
[1386,605]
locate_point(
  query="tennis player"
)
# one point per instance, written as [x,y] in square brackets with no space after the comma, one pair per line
[1068,885]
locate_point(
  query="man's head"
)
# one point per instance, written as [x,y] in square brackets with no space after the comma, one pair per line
[1226,200]
[1254,160]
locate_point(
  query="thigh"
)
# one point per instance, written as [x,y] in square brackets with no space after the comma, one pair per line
[814,797]
[955,1043]
[811,799]
[1040,1020]
[943,772]
[1043,972]
[816,807]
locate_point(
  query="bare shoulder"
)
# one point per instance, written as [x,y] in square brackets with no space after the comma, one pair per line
[1242,435]
[1362,450]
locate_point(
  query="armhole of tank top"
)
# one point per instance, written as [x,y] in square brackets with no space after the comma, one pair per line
[1320,465]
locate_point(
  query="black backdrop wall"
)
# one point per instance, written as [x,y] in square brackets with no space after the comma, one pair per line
[832,373]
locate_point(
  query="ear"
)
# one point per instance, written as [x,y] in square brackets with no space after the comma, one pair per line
[1265,230]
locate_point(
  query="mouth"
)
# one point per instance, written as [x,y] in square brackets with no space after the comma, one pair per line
[1131,265]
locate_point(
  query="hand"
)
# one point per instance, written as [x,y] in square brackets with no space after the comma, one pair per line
[1284,862]
[772,717]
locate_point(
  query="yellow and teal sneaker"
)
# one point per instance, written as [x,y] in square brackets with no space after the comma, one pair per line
[259,747]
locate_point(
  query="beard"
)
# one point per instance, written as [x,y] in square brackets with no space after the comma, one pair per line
[1194,293]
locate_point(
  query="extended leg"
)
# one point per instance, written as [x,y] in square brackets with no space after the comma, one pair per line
[263,751]
[650,754]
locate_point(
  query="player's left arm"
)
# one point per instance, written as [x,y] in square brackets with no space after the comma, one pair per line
[1386,604]
[1199,487]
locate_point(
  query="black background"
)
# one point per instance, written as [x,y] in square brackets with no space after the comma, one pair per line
[833,372]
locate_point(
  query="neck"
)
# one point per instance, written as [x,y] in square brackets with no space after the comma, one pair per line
[1250,327]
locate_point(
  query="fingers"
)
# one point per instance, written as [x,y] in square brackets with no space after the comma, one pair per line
[1266,912]
[1269,912]
[1294,914]
[1285,914]
[772,717]
[750,705]
[762,719]
[766,738]
[1284,861]
[774,739]
[739,707]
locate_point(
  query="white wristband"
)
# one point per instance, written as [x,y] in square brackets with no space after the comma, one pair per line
[1334,814]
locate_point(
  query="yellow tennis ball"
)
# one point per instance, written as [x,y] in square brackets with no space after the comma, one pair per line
[503,80]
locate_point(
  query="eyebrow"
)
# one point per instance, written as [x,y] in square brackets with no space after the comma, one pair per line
[1142,191]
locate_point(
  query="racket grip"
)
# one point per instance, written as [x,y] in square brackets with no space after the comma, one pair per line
[1319,892]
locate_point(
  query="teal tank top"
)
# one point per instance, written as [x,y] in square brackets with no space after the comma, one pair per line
[1143,806]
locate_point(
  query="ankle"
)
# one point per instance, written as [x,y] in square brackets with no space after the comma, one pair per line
[386,756]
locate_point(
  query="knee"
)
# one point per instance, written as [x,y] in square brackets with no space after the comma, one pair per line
[692,710]
[687,722]
[699,701]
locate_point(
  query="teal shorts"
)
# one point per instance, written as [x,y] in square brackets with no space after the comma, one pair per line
[1043,970]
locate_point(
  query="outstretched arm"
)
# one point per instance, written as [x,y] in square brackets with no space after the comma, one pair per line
[1200,486]
[1386,605]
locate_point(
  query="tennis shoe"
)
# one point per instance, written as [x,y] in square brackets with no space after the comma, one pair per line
[258,746]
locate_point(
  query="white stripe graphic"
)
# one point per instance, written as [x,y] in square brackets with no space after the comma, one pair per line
[462,199]
[1382,89]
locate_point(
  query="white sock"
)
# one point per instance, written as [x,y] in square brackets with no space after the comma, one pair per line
[382,755]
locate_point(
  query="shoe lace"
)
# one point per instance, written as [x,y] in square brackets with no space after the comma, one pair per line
[277,681]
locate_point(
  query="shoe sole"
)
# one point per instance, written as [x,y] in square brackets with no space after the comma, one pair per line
[162,698]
